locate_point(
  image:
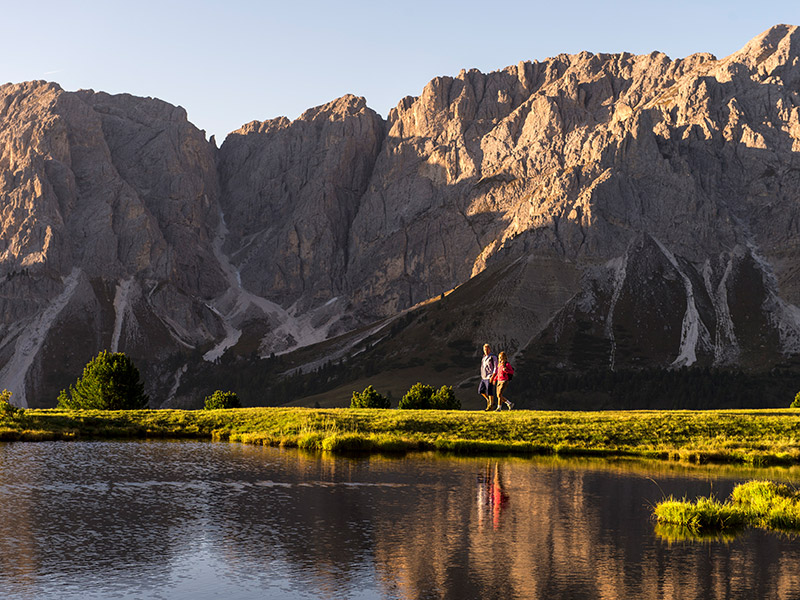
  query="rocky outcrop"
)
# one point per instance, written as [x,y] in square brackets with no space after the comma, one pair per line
[290,194]
[611,209]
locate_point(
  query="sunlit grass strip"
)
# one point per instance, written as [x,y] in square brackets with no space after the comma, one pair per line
[759,438]
[702,514]
[770,505]
[37,435]
[763,504]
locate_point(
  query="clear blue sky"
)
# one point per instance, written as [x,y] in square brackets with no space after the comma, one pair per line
[229,62]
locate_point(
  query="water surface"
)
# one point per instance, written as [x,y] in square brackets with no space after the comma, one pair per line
[195,520]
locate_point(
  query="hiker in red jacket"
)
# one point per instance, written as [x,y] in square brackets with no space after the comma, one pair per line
[502,375]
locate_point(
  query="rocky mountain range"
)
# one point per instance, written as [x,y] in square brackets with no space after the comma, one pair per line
[589,211]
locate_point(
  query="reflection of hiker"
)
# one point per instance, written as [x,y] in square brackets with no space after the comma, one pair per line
[488,366]
[502,375]
[499,496]
[492,497]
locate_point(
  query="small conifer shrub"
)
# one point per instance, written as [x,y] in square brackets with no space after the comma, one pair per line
[421,397]
[445,399]
[220,399]
[6,408]
[417,398]
[369,398]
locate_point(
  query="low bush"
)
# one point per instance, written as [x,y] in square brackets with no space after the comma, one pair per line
[445,399]
[369,398]
[417,398]
[220,399]
[421,397]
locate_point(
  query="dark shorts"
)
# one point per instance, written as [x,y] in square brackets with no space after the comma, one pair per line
[486,387]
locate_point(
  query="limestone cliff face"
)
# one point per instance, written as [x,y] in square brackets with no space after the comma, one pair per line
[576,165]
[702,190]
[108,206]
[573,158]
[290,194]
[618,210]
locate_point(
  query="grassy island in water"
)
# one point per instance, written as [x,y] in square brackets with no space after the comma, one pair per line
[762,504]
[756,437]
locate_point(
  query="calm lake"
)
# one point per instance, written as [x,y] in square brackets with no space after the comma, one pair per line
[195,520]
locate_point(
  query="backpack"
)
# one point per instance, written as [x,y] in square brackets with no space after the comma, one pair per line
[509,372]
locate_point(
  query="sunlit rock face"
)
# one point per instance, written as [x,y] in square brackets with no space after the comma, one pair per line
[669,188]
[622,210]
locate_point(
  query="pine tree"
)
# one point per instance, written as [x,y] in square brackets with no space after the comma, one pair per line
[110,381]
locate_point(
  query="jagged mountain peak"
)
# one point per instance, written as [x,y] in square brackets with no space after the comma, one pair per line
[336,110]
[778,45]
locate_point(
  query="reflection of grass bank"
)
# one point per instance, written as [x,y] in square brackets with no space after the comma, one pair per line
[680,533]
[765,437]
[756,503]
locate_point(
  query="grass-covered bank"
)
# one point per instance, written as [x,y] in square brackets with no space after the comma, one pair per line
[762,504]
[762,437]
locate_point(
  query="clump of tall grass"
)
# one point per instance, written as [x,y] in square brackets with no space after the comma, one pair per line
[310,440]
[361,442]
[762,504]
[467,446]
[347,442]
[702,514]
[771,505]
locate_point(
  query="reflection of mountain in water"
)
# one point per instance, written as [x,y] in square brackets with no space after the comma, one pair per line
[545,533]
[84,513]
[548,533]
[164,517]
